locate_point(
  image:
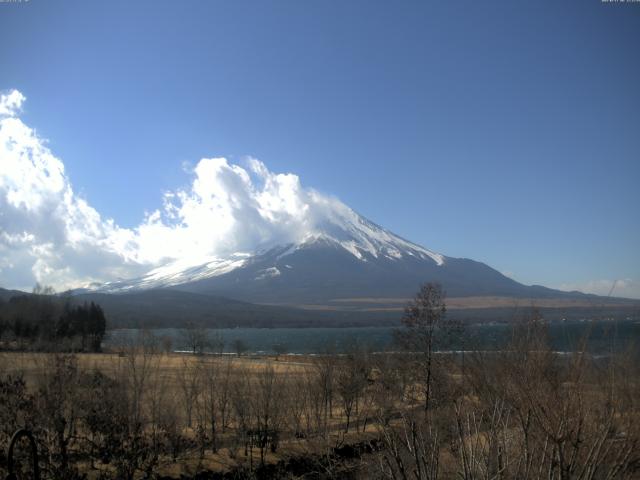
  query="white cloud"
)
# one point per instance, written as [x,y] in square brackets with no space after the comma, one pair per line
[50,235]
[627,287]
[11,103]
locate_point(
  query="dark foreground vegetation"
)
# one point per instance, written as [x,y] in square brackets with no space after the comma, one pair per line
[523,412]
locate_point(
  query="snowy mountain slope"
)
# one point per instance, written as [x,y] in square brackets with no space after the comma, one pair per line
[345,256]
[175,273]
[356,235]
[322,271]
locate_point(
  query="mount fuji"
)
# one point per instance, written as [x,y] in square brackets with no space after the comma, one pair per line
[345,271]
[345,259]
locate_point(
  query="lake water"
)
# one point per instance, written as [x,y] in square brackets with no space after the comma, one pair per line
[604,336]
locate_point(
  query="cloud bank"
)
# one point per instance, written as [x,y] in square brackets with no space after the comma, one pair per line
[48,234]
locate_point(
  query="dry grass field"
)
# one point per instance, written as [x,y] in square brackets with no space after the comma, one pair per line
[177,383]
[524,412]
[172,365]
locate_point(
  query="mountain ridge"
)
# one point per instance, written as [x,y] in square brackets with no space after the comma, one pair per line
[169,308]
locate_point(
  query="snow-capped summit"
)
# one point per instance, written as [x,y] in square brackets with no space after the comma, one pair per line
[363,238]
[355,235]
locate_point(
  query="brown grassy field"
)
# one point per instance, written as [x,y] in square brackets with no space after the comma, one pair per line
[523,412]
[164,376]
[32,364]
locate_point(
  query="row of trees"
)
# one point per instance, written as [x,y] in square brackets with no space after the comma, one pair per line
[198,340]
[45,321]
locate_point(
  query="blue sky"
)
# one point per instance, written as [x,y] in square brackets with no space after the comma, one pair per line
[507,132]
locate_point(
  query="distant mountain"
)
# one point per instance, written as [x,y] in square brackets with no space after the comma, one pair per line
[346,257]
[6,295]
[170,308]
[347,271]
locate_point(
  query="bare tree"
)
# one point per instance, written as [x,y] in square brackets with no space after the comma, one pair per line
[141,362]
[170,425]
[215,396]
[267,408]
[389,386]
[424,319]
[190,382]
[297,403]
[351,381]
[316,386]
[412,450]
[240,400]
[325,366]
[224,392]
[240,346]
[58,405]
[196,338]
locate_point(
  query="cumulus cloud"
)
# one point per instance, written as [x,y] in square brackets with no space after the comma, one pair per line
[48,233]
[11,103]
[51,235]
[230,208]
